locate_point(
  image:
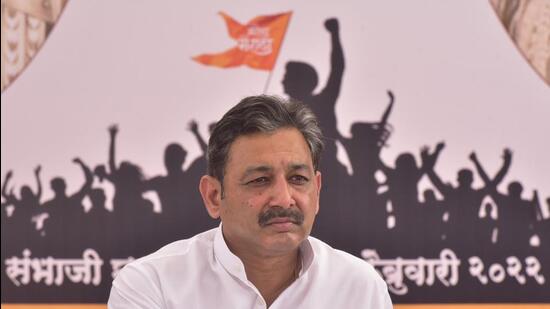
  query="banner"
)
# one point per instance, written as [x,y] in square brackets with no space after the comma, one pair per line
[435,118]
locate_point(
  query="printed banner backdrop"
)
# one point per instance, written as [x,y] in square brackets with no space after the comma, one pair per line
[435,115]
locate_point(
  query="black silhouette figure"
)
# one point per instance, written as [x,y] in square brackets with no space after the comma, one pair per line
[432,221]
[170,187]
[365,212]
[363,149]
[101,230]
[198,220]
[516,216]
[543,226]
[542,229]
[128,180]
[173,191]
[198,166]
[66,212]
[98,214]
[464,203]
[4,227]
[299,83]
[20,229]
[403,181]
[28,204]
[402,193]
[131,210]
[301,79]
[194,128]
[69,205]
[98,199]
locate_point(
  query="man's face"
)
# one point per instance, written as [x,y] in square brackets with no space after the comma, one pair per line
[271,193]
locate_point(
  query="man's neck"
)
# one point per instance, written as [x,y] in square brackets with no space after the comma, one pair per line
[272,275]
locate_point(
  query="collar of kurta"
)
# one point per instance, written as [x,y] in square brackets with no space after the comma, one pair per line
[234,266]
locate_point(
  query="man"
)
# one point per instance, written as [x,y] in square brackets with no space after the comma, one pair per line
[264,184]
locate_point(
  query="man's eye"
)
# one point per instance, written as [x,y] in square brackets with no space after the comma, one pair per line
[258,181]
[299,179]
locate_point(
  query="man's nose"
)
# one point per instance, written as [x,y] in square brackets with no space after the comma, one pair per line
[281,194]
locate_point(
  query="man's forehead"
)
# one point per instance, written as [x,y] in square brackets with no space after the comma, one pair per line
[268,168]
[259,150]
[287,138]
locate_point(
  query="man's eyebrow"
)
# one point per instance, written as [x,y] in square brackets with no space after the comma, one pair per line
[256,169]
[298,167]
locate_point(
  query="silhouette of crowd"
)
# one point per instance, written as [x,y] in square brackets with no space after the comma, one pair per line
[377,205]
[132,228]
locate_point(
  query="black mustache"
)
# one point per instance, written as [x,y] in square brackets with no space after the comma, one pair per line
[293,214]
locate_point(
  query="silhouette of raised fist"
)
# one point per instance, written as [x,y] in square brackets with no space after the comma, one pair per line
[113,129]
[9,174]
[439,146]
[390,94]
[473,156]
[424,152]
[507,154]
[193,126]
[332,25]
[37,169]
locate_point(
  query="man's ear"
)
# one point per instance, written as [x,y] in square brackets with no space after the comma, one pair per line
[318,182]
[210,189]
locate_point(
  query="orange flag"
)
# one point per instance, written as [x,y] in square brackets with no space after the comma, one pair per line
[258,43]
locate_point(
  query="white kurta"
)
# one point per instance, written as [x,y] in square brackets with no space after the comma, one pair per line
[201,272]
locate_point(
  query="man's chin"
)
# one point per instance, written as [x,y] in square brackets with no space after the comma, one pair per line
[284,242]
[282,227]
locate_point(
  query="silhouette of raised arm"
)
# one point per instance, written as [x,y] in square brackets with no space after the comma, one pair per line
[113,130]
[480,169]
[429,167]
[387,112]
[10,197]
[38,193]
[429,160]
[336,61]
[89,178]
[492,184]
[194,128]
[383,132]
[506,162]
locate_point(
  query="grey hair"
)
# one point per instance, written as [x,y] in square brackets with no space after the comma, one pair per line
[261,114]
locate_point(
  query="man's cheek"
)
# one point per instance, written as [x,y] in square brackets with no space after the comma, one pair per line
[255,201]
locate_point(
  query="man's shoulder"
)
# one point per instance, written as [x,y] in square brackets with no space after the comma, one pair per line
[344,274]
[177,265]
[336,261]
[177,252]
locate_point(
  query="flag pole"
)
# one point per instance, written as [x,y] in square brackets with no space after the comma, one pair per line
[277,57]
[268,80]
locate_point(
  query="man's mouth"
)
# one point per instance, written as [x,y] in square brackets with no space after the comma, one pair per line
[280,220]
[281,224]
[281,217]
